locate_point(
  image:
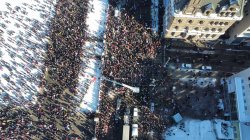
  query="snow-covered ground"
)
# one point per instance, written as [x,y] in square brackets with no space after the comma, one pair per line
[154,15]
[90,75]
[200,82]
[23,39]
[191,129]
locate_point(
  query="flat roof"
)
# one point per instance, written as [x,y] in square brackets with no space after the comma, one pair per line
[242,114]
[125,133]
[177,117]
[244,131]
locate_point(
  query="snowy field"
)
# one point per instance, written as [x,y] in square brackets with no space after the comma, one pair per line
[90,75]
[191,130]
[23,39]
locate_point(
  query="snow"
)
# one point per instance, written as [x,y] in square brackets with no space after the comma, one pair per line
[23,39]
[191,129]
[97,17]
[200,82]
[195,130]
[89,78]
[243,115]
[154,15]
[223,129]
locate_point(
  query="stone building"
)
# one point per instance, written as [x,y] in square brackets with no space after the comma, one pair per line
[240,32]
[238,89]
[200,19]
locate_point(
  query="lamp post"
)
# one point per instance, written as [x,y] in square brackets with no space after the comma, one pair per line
[134,89]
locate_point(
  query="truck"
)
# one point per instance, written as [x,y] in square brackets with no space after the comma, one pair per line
[135,114]
[134,130]
[126,119]
[125,133]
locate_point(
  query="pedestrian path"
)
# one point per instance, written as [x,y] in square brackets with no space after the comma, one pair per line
[89,77]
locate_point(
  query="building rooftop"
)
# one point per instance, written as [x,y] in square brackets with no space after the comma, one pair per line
[215,5]
[177,117]
[245,129]
[239,83]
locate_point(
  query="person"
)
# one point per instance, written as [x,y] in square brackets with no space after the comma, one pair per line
[63,53]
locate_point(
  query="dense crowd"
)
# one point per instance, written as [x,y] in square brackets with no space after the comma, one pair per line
[130,49]
[130,57]
[55,113]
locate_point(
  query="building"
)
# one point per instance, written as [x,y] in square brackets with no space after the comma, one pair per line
[238,88]
[200,19]
[240,32]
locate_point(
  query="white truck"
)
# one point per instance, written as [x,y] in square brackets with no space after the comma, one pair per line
[126,119]
[135,114]
[134,130]
[125,133]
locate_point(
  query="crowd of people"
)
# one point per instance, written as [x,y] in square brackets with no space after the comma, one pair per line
[106,125]
[54,113]
[129,46]
[130,49]
[130,57]
[22,50]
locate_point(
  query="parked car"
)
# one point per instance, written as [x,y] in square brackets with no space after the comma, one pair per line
[206,68]
[152,107]
[118,103]
[127,111]
[126,119]
[134,130]
[187,66]
[135,114]
[117,117]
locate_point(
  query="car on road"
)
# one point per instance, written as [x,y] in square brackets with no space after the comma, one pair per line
[206,67]
[127,112]
[117,117]
[134,130]
[118,103]
[152,107]
[135,114]
[126,119]
[228,74]
[187,66]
